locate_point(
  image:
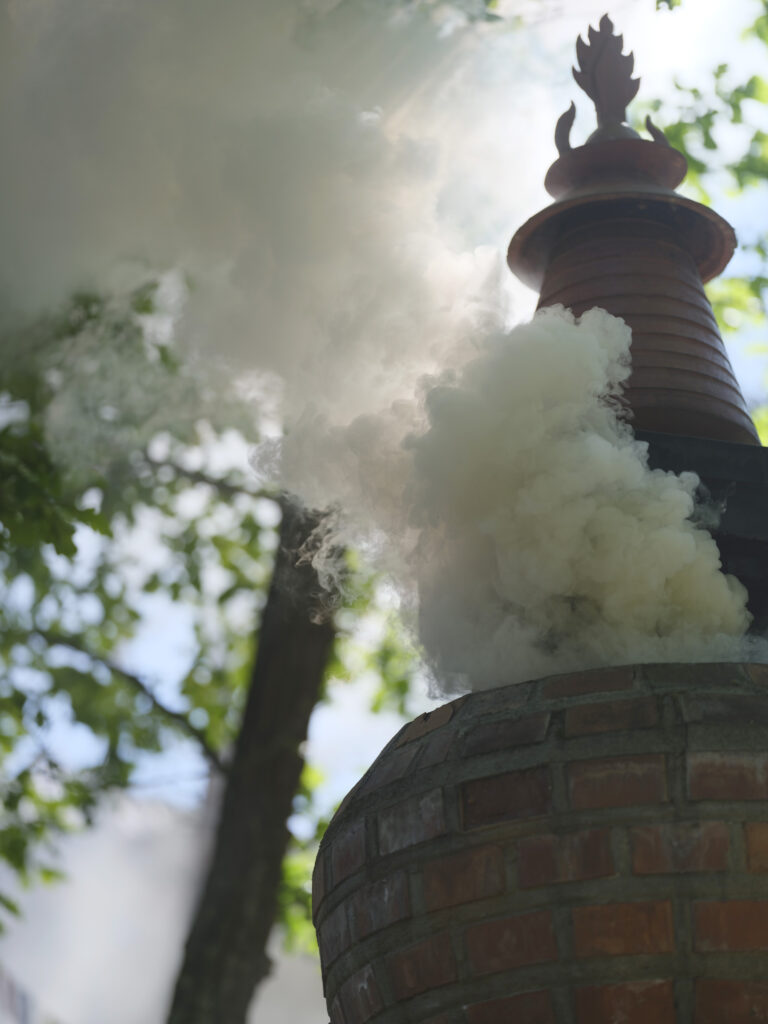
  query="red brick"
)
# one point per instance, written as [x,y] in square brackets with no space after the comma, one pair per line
[756,842]
[662,849]
[736,709]
[360,997]
[379,905]
[348,852]
[622,929]
[527,1008]
[724,925]
[337,1014]
[617,781]
[463,878]
[543,860]
[758,674]
[594,681]
[394,765]
[423,967]
[436,749]
[728,776]
[512,942]
[318,883]
[505,734]
[502,699]
[349,798]
[730,1002]
[412,821]
[333,935]
[429,721]
[633,1002]
[611,716]
[513,795]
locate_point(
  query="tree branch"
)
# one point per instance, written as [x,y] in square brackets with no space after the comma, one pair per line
[177,717]
[224,487]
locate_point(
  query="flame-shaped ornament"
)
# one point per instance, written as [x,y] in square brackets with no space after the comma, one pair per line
[605,75]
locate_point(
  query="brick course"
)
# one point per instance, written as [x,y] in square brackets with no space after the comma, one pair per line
[659,849]
[506,797]
[725,925]
[728,776]
[378,905]
[617,781]
[543,860]
[429,721]
[511,942]
[334,935]
[360,997]
[427,965]
[348,852]
[318,884]
[512,732]
[730,1002]
[756,842]
[582,683]
[611,716]
[634,1002]
[623,929]
[527,1007]
[463,877]
[412,821]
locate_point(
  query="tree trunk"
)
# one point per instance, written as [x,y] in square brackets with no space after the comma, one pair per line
[225,956]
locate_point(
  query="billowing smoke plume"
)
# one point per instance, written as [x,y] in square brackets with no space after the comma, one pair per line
[320,173]
[514,499]
[314,168]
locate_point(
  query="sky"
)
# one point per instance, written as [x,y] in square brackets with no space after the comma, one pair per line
[495,180]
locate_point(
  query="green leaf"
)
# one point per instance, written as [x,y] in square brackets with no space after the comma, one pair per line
[10,905]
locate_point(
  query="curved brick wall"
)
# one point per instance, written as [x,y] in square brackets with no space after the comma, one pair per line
[583,849]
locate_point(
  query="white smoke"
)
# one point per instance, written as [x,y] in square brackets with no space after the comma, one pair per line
[315,169]
[512,497]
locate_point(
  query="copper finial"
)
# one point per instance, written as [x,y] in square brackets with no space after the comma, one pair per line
[605,75]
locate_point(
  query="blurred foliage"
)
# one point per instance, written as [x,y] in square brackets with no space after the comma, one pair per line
[722,129]
[760,417]
[116,515]
[76,494]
